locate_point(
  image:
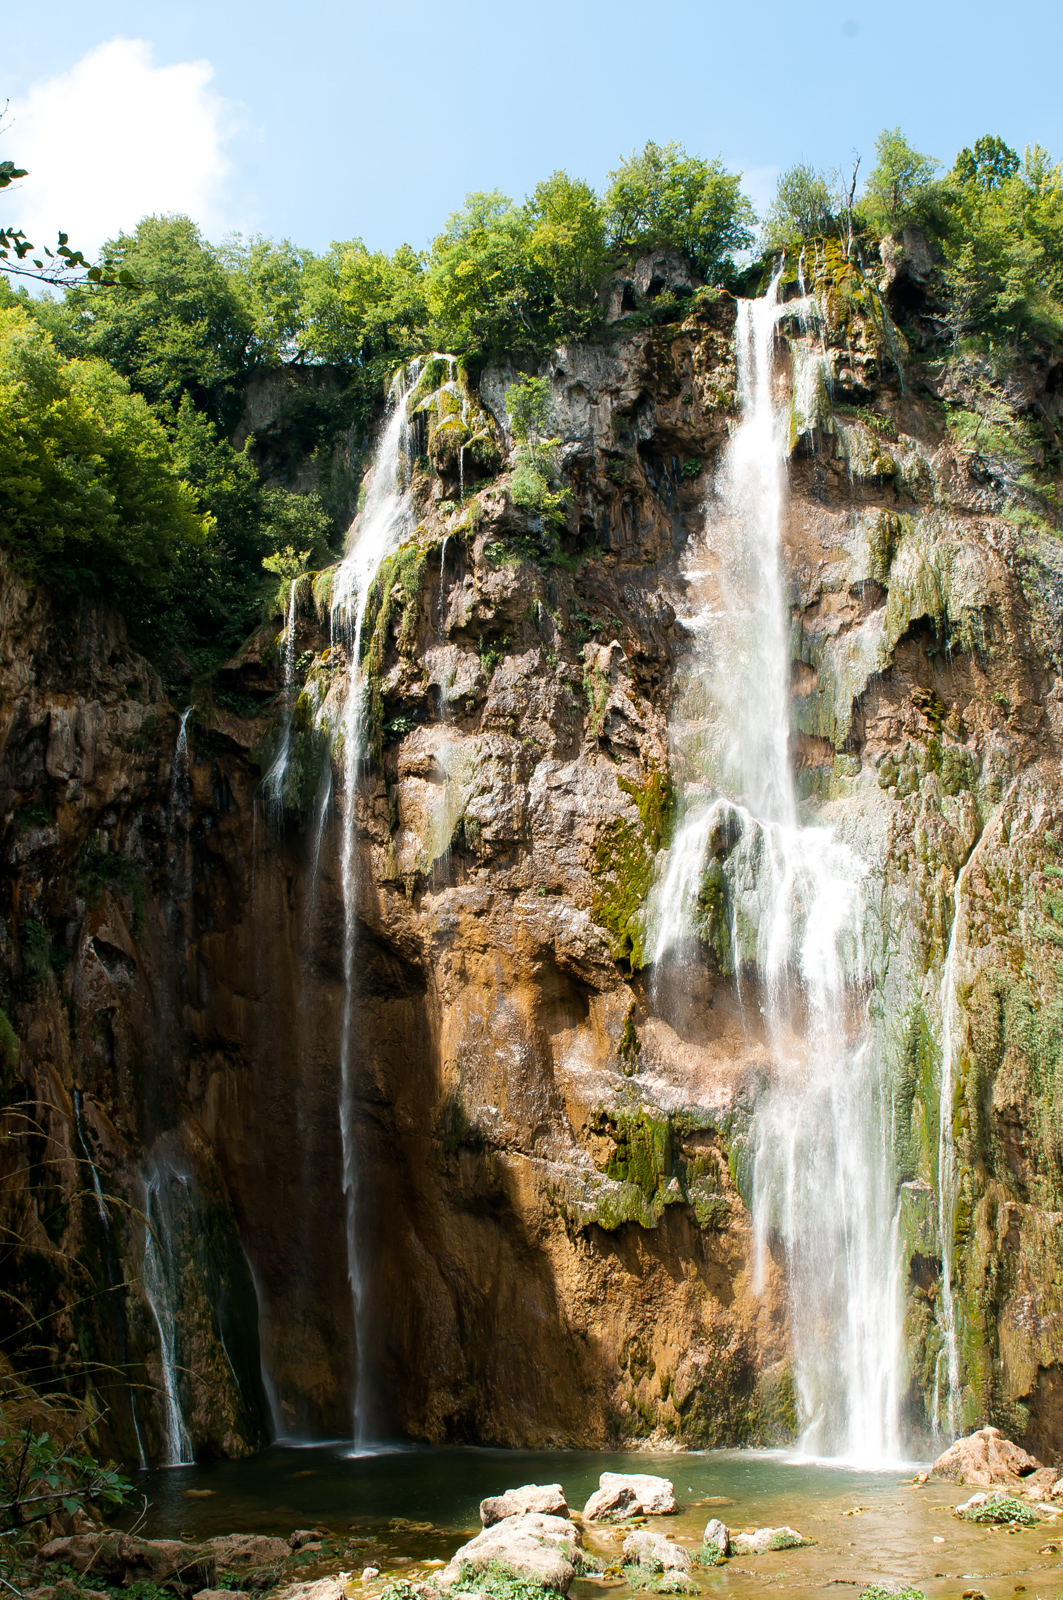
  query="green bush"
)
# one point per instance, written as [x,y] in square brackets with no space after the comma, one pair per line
[1000,1509]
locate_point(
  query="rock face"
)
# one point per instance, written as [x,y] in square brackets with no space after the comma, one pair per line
[984,1458]
[630,1495]
[542,1548]
[546,1498]
[554,1156]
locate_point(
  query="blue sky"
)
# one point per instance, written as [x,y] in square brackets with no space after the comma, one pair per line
[327,120]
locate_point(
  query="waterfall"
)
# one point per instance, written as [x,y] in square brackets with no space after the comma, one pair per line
[273,782]
[376,532]
[947,1174]
[157,1280]
[111,1265]
[783,907]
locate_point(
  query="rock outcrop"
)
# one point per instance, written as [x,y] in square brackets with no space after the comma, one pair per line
[985,1458]
[546,1498]
[545,1549]
[634,1494]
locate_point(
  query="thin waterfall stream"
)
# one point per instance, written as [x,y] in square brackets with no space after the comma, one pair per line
[788,925]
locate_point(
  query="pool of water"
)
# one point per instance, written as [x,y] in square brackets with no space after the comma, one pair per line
[402,1509]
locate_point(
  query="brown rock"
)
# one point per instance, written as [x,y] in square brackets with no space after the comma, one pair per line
[255,1549]
[546,1498]
[122,1559]
[984,1458]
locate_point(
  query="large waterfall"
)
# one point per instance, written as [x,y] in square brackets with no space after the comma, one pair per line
[785,904]
[378,529]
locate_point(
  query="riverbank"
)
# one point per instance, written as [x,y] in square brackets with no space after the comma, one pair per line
[405,1512]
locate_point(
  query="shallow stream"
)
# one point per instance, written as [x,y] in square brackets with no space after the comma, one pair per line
[403,1509]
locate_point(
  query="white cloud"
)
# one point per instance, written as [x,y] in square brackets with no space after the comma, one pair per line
[115,138]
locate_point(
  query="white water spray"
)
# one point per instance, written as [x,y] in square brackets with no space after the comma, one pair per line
[789,908]
[378,530]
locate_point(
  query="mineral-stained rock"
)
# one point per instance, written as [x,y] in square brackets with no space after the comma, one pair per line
[761,1540]
[717,1532]
[630,1495]
[654,1550]
[539,1547]
[120,1558]
[983,1458]
[546,1498]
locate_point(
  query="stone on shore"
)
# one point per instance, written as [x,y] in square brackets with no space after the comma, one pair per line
[322,1589]
[539,1547]
[654,1550]
[546,1498]
[630,1495]
[761,1540]
[254,1549]
[718,1533]
[121,1559]
[984,1458]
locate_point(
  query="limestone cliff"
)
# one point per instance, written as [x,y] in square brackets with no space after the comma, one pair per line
[552,1180]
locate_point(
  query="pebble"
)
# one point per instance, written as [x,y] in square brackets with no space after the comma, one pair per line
[369,1573]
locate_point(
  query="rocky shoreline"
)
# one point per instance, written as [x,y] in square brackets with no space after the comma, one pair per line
[631,1536]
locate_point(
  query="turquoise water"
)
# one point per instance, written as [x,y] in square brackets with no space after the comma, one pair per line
[868,1527]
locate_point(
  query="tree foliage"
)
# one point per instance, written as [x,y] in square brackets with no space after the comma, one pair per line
[90,492]
[661,198]
[898,182]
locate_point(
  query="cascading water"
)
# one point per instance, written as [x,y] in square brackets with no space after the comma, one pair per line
[273,782]
[948,1173]
[156,1278]
[111,1265]
[785,904]
[377,531]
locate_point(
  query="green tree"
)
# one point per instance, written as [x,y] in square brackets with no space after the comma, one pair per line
[189,331]
[1002,233]
[989,164]
[663,198]
[567,249]
[364,308]
[802,208]
[89,491]
[900,180]
[270,280]
[480,282]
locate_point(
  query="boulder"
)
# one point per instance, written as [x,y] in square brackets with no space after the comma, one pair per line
[717,1532]
[255,1549]
[654,1550]
[623,1494]
[546,1498]
[539,1547]
[762,1540]
[323,1589]
[984,1458]
[120,1558]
